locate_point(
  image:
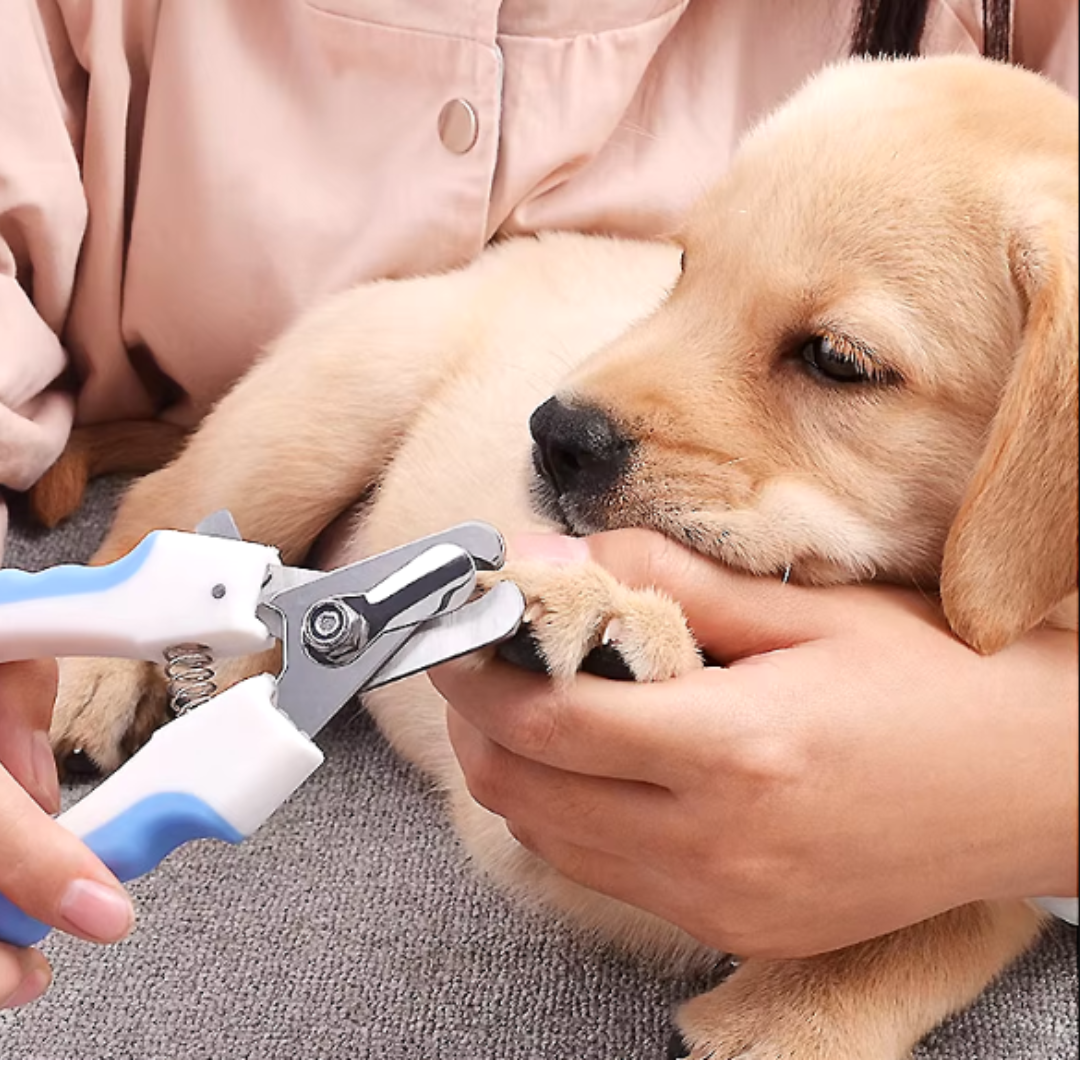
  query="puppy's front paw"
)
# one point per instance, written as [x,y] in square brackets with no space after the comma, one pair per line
[575,610]
[106,709]
[803,1010]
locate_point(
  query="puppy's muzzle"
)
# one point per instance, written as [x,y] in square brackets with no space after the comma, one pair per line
[579,450]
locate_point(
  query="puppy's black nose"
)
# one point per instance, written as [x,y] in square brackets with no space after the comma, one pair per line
[579,448]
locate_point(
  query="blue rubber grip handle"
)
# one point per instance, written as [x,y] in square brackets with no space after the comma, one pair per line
[130,845]
[20,585]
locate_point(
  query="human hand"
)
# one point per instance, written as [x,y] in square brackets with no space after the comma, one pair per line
[44,870]
[853,769]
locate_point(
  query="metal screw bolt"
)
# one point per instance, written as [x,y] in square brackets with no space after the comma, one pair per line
[333,633]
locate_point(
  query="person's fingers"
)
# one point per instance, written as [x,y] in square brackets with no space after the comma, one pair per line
[640,884]
[595,726]
[24,976]
[52,876]
[27,695]
[624,879]
[733,614]
[616,816]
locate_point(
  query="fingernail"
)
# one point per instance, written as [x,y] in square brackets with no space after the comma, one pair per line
[35,982]
[44,769]
[99,912]
[549,547]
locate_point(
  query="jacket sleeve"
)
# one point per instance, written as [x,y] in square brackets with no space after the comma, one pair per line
[1045,39]
[42,222]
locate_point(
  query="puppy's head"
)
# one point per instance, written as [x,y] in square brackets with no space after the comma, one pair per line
[868,366]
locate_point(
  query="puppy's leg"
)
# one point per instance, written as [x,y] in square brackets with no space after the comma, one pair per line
[292,446]
[874,1000]
[312,425]
[135,447]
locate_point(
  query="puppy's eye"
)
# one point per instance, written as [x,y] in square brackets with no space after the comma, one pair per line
[840,362]
[682,262]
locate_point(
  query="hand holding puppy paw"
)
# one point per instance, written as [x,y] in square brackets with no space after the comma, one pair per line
[44,870]
[851,769]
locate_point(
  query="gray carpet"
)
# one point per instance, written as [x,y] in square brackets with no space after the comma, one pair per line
[351,927]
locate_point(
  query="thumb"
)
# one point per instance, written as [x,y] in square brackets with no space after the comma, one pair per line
[733,615]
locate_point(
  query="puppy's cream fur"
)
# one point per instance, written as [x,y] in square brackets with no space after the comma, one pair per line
[923,214]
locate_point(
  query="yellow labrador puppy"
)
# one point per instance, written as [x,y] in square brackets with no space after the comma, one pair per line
[859,361]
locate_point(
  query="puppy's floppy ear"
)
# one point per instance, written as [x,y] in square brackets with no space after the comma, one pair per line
[1011,555]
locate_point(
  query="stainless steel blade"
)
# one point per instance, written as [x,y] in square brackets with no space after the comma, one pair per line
[311,693]
[219,523]
[312,686]
[494,617]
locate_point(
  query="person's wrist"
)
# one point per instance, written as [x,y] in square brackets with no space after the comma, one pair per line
[1042,860]
[1060,796]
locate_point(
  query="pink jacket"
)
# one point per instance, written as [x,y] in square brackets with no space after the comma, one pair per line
[179,179]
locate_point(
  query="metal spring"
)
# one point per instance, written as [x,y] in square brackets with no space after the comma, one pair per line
[189,675]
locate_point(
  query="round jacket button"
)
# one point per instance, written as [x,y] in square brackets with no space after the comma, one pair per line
[458,126]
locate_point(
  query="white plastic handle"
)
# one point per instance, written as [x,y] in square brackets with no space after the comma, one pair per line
[172,589]
[236,753]
[218,772]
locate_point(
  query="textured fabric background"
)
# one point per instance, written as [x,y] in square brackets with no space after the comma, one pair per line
[351,927]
